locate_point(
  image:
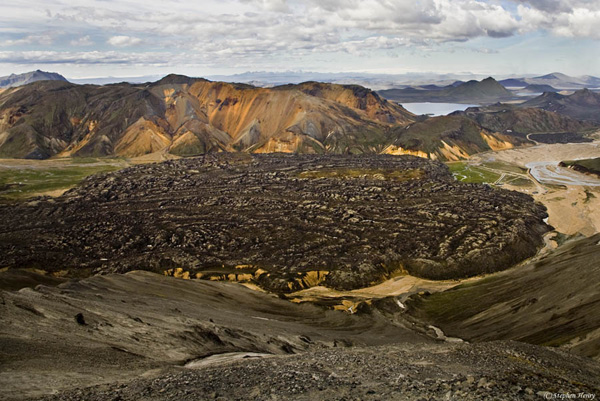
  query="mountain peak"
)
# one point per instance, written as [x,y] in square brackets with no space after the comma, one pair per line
[14,80]
[175,79]
[553,75]
[585,96]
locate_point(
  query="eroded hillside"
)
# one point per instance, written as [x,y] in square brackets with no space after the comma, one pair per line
[549,302]
[187,116]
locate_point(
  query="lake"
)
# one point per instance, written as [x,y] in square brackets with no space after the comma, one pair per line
[436,109]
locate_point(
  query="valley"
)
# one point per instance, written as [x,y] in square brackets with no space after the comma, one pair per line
[216,326]
[141,335]
[158,274]
[299,200]
[22,179]
[571,198]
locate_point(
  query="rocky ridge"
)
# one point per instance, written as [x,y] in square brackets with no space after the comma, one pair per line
[491,371]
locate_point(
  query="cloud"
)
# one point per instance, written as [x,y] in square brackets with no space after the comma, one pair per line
[255,31]
[123,41]
[92,57]
[551,6]
[43,39]
[82,41]
[568,18]
[270,5]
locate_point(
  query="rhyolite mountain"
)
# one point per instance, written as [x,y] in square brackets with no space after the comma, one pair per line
[479,129]
[14,80]
[186,116]
[451,137]
[189,116]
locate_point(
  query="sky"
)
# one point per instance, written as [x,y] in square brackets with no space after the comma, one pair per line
[99,38]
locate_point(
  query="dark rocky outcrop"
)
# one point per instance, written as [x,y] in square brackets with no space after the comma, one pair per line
[277,220]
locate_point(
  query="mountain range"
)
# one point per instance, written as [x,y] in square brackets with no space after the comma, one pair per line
[15,80]
[375,81]
[582,104]
[484,91]
[186,116]
[556,80]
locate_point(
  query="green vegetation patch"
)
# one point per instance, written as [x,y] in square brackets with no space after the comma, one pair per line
[471,174]
[585,165]
[505,167]
[455,304]
[22,183]
[371,173]
[519,182]
[588,196]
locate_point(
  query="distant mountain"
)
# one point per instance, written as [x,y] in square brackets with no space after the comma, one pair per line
[190,116]
[370,80]
[457,83]
[590,81]
[513,83]
[15,80]
[556,80]
[485,91]
[538,88]
[115,80]
[582,105]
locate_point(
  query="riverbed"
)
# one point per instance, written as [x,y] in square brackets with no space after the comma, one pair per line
[551,173]
[572,198]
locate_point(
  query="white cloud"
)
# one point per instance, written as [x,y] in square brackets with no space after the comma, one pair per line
[82,41]
[254,31]
[43,39]
[123,41]
[570,18]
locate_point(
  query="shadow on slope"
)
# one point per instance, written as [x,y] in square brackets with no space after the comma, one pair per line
[553,301]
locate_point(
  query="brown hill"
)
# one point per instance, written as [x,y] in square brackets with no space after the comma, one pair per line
[188,116]
[519,122]
[452,137]
[583,104]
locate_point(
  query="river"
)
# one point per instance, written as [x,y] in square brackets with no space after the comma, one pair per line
[552,173]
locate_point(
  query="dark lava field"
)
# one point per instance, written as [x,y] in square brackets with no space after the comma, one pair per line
[285,222]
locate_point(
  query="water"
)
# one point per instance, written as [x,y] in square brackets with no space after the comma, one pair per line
[531,94]
[552,173]
[436,109]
